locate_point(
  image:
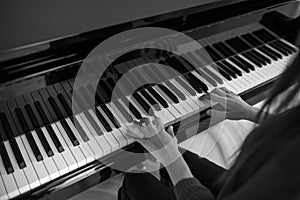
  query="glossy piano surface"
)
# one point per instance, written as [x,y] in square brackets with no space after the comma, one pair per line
[53,141]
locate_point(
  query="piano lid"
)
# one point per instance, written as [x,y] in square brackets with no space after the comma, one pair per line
[28,22]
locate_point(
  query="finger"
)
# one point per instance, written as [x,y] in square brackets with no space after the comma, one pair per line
[228,91]
[222,100]
[131,133]
[216,113]
[204,96]
[158,123]
[218,91]
[171,131]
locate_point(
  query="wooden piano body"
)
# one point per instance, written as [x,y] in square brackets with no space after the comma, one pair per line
[40,76]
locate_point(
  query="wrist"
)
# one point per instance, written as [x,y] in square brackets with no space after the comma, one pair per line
[178,170]
[251,114]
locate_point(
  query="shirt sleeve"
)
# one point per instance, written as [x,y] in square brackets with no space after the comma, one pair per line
[279,179]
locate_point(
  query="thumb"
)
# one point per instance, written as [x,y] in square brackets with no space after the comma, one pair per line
[219,99]
[171,131]
[216,113]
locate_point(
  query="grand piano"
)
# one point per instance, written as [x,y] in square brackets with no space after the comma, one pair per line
[54,145]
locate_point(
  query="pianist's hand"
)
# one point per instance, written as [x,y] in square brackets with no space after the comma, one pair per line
[230,105]
[160,143]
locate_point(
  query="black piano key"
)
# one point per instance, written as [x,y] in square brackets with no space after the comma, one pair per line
[219,69]
[8,166]
[123,111]
[213,54]
[196,83]
[267,34]
[48,127]
[179,63]
[55,108]
[278,48]
[67,97]
[245,63]
[186,86]
[251,40]
[197,62]
[69,132]
[98,98]
[263,57]
[283,46]
[262,36]
[229,73]
[143,103]
[39,132]
[223,49]
[234,43]
[131,108]
[234,69]
[17,153]
[239,64]
[110,116]
[63,122]
[94,124]
[268,53]
[43,113]
[278,55]
[213,75]
[287,46]
[34,147]
[28,135]
[54,138]
[175,90]
[103,120]
[150,99]
[257,56]
[67,106]
[207,78]
[168,93]
[250,56]
[157,97]
[5,159]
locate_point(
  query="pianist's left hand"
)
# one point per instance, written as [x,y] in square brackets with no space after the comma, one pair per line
[152,135]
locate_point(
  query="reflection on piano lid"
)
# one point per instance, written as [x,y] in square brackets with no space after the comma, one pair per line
[50,142]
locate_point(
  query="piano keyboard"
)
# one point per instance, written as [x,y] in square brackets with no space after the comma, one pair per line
[41,139]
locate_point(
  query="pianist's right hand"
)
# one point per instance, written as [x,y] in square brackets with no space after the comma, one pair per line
[231,106]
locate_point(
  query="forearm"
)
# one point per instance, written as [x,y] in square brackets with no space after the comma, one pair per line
[252,115]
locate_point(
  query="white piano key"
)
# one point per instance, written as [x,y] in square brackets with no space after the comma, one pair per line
[3,193]
[109,135]
[67,154]
[116,132]
[101,139]
[181,107]
[29,170]
[76,151]
[48,161]
[57,157]
[9,182]
[122,121]
[19,175]
[228,84]
[165,113]
[190,100]
[39,166]
[85,149]
[171,108]
[94,146]
[160,114]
